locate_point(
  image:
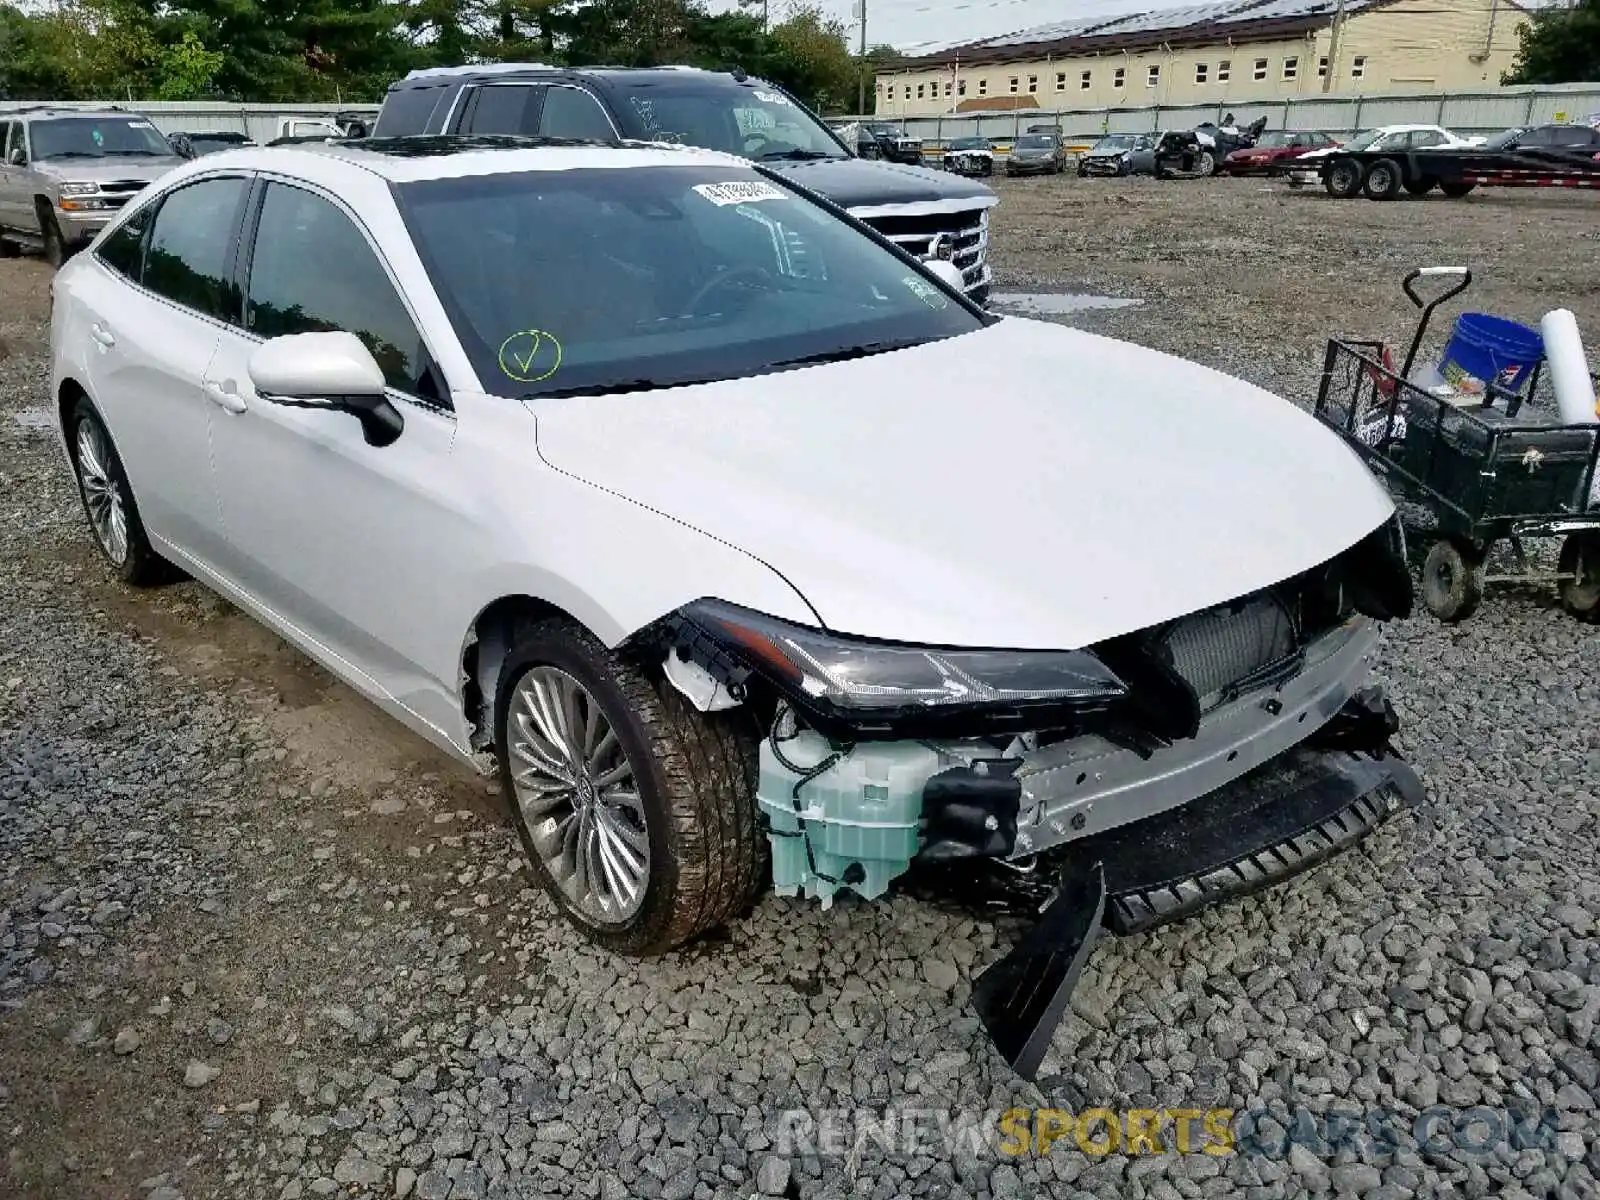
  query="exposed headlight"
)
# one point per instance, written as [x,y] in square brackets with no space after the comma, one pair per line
[883,685]
[79,189]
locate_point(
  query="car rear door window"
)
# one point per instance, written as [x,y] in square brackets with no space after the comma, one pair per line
[190,254]
[1569,135]
[407,110]
[571,112]
[123,248]
[502,108]
[313,271]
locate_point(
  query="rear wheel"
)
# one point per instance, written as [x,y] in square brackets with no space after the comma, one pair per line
[1206,164]
[636,811]
[1580,566]
[1384,180]
[1456,188]
[1344,179]
[108,501]
[1452,580]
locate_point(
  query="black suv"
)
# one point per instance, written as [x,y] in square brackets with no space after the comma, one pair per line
[928,213]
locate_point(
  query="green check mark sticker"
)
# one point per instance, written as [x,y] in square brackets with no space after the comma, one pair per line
[530,355]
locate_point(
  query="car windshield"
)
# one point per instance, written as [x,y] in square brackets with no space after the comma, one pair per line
[1037,141]
[743,119]
[626,279]
[1501,140]
[1274,140]
[1364,139]
[973,143]
[96,137]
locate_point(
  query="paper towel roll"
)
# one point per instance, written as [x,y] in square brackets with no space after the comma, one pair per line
[1569,369]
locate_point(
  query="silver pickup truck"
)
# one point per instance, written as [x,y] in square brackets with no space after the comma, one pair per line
[65,172]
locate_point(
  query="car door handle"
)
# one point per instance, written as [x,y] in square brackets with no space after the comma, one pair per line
[102,335]
[225,395]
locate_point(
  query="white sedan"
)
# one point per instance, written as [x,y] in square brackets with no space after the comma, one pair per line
[1386,137]
[609,467]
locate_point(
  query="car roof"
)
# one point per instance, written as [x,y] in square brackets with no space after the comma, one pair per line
[661,74]
[411,159]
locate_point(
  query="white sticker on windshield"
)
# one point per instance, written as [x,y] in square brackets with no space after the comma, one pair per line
[139,125]
[926,292]
[771,98]
[740,192]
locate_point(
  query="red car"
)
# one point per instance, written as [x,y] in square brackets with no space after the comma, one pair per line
[1272,151]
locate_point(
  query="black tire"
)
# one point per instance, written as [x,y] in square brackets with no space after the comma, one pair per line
[1452,580]
[1344,178]
[55,244]
[1207,164]
[1082,174]
[1419,187]
[8,249]
[1125,169]
[696,778]
[1580,559]
[1384,180]
[139,565]
[1456,188]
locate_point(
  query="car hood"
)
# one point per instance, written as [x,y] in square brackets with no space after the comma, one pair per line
[868,183]
[1108,153]
[129,166]
[1023,486]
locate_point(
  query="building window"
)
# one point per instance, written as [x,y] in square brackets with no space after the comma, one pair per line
[961,87]
[1224,71]
[919,91]
[948,88]
[1033,83]
[1061,81]
[1322,67]
[1083,81]
[1201,70]
[1013,85]
[1291,67]
[891,91]
[983,87]
[1261,68]
[1153,77]
[1358,67]
[1119,77]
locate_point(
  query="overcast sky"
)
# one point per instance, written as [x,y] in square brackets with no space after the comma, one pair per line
[910,24]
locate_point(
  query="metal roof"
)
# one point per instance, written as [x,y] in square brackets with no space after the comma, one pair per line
[1235,19]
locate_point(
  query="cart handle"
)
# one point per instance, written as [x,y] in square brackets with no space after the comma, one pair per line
[1427,306]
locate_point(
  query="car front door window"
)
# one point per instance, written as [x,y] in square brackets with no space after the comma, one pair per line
[314,271]
[571,112]
[502,108]
[190,256]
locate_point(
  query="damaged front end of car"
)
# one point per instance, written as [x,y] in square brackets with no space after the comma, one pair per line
[1121,785]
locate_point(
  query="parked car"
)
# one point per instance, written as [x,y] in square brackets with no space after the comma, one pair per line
[894,143]
[969,156]
[389,398]
[856,135]
[194,143]
[65,172]
[1274,151]
[1547,137]
[1219,141]
[1036,154]
[925,211]
[1307,167]
[1120,154]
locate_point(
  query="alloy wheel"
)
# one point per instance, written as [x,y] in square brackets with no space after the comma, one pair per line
[578,796]
[102,492]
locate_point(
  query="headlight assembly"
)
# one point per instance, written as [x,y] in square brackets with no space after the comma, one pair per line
[79,189]
[889,689]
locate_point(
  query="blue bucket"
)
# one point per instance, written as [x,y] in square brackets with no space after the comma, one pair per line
[1490,349]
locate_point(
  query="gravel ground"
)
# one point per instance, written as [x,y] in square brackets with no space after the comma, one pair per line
[256,941]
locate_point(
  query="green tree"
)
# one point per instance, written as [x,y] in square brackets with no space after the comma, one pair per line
[1560,45]
[810,58]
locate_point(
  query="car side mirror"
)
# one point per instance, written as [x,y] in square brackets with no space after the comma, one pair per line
[947,273]
[335,371]
[18,157]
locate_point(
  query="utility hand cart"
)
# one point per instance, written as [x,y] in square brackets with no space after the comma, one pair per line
[1484,467]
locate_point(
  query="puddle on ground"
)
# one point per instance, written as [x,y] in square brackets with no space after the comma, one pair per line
[1055,304]
[40,419]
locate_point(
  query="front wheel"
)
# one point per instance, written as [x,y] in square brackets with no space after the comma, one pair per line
[55,244]
[1344,179]
[1452,580]
[636,811]
[1580,575]
[1207,164]
[108,501]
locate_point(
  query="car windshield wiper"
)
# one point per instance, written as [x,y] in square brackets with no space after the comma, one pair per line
[794,155]
[845,353]
[68,154]
[614,387]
